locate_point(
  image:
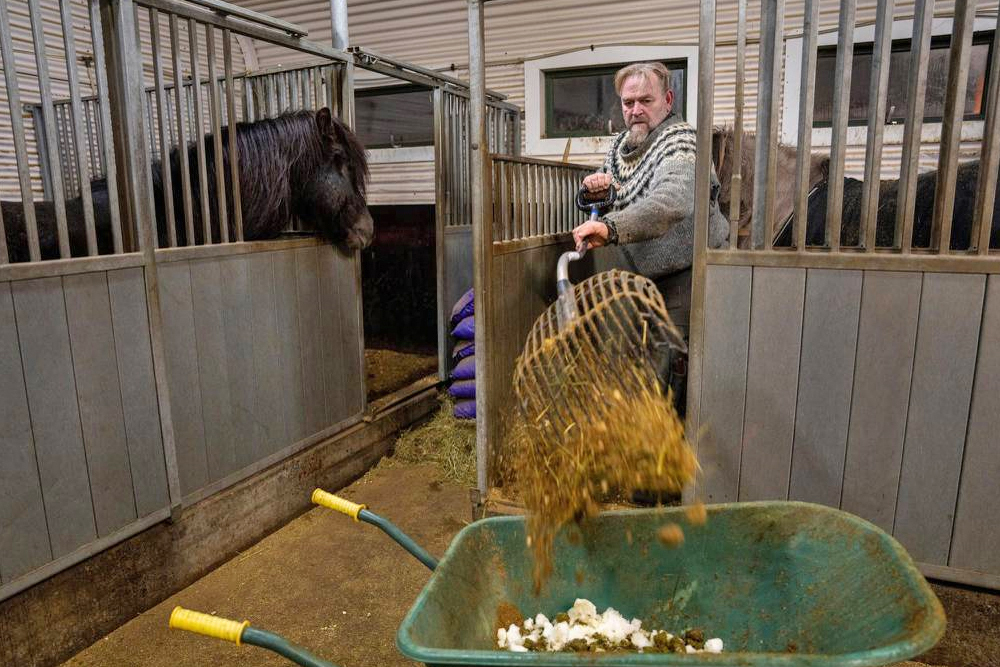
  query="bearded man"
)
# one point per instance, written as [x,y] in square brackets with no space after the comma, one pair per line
[651,165]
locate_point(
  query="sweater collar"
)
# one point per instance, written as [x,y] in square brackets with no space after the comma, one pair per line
[633,153]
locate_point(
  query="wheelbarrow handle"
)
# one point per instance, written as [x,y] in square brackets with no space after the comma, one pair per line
[361,513]
[241,632]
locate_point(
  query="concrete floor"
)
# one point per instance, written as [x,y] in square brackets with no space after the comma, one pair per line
[341,589]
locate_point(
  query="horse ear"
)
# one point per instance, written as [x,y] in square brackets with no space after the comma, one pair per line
[324,121]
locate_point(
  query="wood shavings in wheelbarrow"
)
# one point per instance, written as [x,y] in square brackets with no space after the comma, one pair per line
[582,629]
[594,422]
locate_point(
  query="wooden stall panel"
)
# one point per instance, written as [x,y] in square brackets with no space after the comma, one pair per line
[237,322]
[976,541]
[182,375]
[130,322]
[951,309]
[268,409]
[40,309]
[890,303]
[88,310]
[289,346]
[348,278]
[826,371]
[724,379]
[313,390]
[334,357]
[213,372]
[24,541]
[772,378]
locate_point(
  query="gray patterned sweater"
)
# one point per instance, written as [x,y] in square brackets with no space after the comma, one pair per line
[654,212]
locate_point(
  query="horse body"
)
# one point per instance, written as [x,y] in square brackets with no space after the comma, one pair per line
[303,164]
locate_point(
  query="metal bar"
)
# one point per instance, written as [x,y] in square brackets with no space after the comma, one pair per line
[877,101]
[881,260]
[281,81]
[338,24]
[841,112]
[951,126]
[920,51]
[218,167]
[306,89]
[768,110]
[225,9]
[199,122]
[180,113]
[234,153]
[17,126]
[139,184]
[48,115]
[989,160]
[440,222]
[481,245]
[161,103]
[374,61]
[736,180]
[255,31]
[103,107]
[317,88]
[272,96]
[807,96]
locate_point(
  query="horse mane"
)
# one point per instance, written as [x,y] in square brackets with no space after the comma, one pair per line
[275,154]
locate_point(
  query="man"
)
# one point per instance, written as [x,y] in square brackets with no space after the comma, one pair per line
[651,165]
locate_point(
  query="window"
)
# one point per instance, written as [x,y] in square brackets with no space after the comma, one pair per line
[899,65]
[582,102]
[395,117]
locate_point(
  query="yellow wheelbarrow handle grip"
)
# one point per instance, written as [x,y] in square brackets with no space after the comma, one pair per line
[208,625]
[321,497]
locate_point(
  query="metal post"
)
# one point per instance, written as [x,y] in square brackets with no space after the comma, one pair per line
[338,21]
[439,233]
[768,96]
[703,170]
[736,181]
[810,30]
[841,112]
[132,133]
[481,240]
[877,100]
[990,158]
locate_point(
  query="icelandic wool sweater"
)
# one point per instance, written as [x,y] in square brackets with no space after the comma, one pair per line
[653,215]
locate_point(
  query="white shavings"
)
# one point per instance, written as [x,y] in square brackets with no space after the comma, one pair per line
[583,629]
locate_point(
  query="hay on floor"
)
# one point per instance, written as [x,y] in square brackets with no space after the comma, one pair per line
[445,441]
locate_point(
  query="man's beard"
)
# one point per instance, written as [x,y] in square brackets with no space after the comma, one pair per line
[637,134]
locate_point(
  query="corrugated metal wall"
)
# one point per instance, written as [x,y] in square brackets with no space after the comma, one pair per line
[435,34]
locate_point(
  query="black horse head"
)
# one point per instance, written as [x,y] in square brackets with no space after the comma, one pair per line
[333,200]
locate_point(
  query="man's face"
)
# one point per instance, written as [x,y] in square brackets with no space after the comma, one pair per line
[644,106]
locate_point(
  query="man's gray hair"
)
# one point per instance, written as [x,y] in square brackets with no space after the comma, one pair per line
[653,72]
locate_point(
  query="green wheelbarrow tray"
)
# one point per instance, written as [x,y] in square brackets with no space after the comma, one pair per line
[781,583]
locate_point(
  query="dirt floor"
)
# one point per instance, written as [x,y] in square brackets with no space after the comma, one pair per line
[389,370]
[341,589]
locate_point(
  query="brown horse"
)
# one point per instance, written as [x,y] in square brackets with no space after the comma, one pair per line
[722,155]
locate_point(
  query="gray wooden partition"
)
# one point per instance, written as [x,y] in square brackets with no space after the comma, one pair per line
[866,378]
[453,202]
[532,212]
[263,358]
[874,391]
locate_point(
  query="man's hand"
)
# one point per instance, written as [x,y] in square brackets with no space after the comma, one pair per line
[592,233]
[597,183]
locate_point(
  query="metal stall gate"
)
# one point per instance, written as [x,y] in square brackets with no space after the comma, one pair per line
[143,379]
[864,377]
[453,208]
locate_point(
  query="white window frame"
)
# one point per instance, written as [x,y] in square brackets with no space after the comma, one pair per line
[857,135]
[534,91]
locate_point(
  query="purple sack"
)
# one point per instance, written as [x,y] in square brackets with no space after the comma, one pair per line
[462,308]
[465,410]
[463,389]
[465,330]
[463,349]
[465,370]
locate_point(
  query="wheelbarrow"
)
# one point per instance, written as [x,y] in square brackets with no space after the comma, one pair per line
[782,583]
